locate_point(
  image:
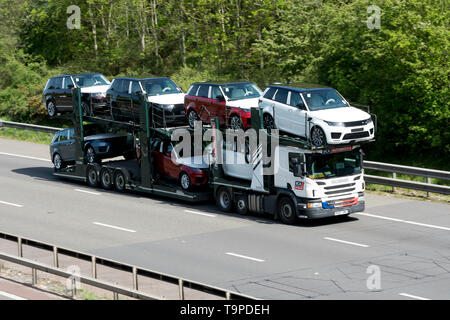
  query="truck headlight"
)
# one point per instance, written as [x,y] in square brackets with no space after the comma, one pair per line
[314,205]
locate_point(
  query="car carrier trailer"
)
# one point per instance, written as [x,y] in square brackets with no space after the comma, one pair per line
[290,193]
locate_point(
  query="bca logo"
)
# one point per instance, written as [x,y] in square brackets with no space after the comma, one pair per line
[299,185]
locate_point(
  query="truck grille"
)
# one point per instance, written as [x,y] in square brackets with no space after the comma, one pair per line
[342,188]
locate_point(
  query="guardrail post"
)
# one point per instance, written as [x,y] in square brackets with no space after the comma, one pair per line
[135,279]
[429,182]
[94,267]
[181,289]
[55,257]
[394,176]
[74,288]
[115,296]
[228,295]
[33,276]
[19,247]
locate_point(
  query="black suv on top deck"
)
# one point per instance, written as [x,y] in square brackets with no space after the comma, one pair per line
[57,95]
[165,96]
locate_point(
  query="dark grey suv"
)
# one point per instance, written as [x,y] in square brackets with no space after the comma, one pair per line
[57,95]
[97,146]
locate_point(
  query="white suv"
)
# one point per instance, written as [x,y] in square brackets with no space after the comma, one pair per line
[319,114]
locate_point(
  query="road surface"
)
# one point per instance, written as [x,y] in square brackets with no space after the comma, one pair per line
[396,249]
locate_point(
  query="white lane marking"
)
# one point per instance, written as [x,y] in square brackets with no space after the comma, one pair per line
[244,257]
[22,156]
[200,213]
[11,204]
[90,192]
[113,227]
[347,242]
[11,296]
[405,221]
[412,296]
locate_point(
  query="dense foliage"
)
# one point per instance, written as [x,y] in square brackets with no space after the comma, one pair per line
[401,69]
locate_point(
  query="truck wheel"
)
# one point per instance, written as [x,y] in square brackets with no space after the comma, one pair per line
[286,210]
[224,200]
[105,179]
[242,205]
[92,176]
[119,181]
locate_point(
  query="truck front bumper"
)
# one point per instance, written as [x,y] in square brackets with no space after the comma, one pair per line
[317,213]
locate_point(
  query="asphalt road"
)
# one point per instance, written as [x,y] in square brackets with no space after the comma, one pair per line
[407,241]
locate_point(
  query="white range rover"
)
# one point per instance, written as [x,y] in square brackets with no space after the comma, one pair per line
[321,115]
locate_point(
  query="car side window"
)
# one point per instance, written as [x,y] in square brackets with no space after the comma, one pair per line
[51,84]
[125,86]
[269,94]
[193,90]
[63,135]
[135,87]
[67,81]
[71,133]
[281,96]
[58,83]
[216,93]
[115,86]
[296,100]
[203,91]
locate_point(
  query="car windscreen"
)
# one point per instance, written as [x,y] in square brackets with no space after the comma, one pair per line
[239,91]
[156,87]
[90,80]
[333,165]
[323,99]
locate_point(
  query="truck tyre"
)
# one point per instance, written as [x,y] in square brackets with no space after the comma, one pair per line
[242,205]
[106,179]
[120,181]
[92,176]
[224,200]
[286,210]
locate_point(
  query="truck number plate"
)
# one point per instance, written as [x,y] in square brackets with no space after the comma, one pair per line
[338,213]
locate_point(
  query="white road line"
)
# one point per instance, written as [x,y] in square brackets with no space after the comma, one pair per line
[413,297]
[22,156]
[347,242]
[244,257]
[11,296]
[405,221]
[113,227]
[201,213]
[90,192]
[11,204]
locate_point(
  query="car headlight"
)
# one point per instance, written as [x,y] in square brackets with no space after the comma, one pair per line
[98,94]
[334,124]
[168,107]
[369,121]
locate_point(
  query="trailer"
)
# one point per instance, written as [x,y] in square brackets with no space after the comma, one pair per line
[281,176]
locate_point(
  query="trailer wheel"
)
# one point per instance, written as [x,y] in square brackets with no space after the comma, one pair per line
[242,205]
[119,181]
[286,210]
[224,200]
[92,176]
[106,179]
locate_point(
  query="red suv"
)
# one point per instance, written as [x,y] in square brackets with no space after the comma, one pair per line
[189,171]
[230,102]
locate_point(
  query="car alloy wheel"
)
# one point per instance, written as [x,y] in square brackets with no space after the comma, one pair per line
[268,122]
[236,123]
[57,161]
[192,117]
[90,155]
[317,137]
[85,109]
[185,181]
[51,109]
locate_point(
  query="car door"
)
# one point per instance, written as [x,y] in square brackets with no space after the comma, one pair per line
[171,168]
[124,99]
[66,96]
[64,145]
[218,104]
[281,111]
[204,103]
[135,91]
[299,114]
[58,93]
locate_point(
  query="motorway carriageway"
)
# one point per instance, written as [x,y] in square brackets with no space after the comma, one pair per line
[408,241]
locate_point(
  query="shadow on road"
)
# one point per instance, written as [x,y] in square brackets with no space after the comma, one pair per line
[46,174]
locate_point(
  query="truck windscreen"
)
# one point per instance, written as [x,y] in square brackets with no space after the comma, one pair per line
[333,165]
